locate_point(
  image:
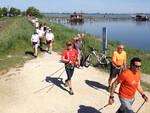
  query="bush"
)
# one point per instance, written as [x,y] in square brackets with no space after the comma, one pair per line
[34,12]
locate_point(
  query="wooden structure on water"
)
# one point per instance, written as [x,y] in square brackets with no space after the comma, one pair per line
[142,18]
[76,18]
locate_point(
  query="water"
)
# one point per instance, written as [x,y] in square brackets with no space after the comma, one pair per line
[129,32]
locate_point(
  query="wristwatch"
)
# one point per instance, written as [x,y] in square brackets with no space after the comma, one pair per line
[111,97]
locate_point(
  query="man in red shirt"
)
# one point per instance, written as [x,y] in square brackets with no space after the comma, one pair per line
[69,57]
[129,81]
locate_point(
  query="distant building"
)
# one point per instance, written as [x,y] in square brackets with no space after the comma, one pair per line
[76,17]
[142,18]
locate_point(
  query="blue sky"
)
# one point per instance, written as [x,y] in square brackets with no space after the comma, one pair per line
[102,6]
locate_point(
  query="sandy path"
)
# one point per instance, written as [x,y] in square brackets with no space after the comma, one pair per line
[23,91]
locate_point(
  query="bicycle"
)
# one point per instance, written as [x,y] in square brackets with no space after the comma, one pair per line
[103,59]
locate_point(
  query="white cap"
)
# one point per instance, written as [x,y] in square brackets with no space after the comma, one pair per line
[78,35]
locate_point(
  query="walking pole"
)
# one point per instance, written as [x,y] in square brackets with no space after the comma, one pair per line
[103,107]
[53,83]
[54,72]
[140,107]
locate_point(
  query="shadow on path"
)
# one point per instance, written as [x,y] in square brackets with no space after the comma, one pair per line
[87,109]
[29,53]
[56,81]
[97,85]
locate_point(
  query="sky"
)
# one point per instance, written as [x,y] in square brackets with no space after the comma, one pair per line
[87,6]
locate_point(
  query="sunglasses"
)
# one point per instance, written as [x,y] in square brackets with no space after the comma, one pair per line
[69,45]
[138,66]
[121,48]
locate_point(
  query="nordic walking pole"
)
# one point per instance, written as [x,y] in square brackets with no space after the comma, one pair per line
[140,107]
[55,72]
[103,107]
[53,83]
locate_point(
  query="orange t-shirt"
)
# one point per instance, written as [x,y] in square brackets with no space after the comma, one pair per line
[119,59]
[129,82]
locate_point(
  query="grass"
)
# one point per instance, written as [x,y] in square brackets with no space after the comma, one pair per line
[14,41]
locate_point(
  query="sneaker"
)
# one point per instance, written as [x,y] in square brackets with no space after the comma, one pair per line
[71,93]
[49,52]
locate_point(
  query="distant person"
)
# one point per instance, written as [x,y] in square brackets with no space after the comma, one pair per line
[69,57]
[41,35]
[36,24]
[129,81]
[118,63]
[44,27]
[35,42]
[78,42]
[49,40]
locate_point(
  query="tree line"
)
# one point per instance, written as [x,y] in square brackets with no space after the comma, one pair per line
[32,11]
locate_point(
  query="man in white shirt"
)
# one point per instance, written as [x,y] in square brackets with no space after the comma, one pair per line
[35,42]
[41,34]
[36,24]
[49,40]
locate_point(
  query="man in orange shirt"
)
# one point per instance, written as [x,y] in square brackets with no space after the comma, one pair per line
[118,63]
[129,81]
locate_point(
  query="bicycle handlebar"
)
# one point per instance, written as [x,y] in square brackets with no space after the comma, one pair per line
[92,49]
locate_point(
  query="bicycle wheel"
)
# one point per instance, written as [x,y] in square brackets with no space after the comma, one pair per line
[88,60]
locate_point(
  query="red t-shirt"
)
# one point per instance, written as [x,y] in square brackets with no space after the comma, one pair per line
[70,55]
[129,83]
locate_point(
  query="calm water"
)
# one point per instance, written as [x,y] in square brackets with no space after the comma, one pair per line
[129,32]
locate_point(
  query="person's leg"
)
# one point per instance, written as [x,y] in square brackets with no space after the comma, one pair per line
[112,75]
[41,41]
[51,46]
[36,52]
[69,76]
[48,46]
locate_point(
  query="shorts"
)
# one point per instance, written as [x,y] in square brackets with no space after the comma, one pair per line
[126,105]
[69,72]
[114,72]
[49,42]
[35,44]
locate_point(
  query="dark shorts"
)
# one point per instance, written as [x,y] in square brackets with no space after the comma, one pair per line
[34,43]
[69,72]
[114,72]
[48,42]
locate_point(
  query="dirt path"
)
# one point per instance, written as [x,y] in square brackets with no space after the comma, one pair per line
[24,90]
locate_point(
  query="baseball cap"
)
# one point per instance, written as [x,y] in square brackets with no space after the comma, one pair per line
[35,32]
[69,43]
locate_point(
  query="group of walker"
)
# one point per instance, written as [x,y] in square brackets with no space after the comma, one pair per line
[128,78]
[41,33]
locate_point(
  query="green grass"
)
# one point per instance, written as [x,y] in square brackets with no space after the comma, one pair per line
[14,41]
